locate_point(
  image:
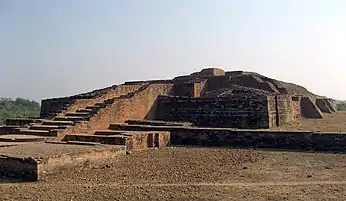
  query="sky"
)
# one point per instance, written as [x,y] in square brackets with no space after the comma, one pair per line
[56,48]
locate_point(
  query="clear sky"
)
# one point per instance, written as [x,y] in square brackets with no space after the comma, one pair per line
[53,48]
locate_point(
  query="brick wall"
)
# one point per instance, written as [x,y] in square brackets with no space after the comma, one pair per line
[296,107]
[217,83]
[259,139]
[272,112]
[140,105]
[198,88]
[148,140]
[120,90]
[329,104]
[49,107]
[309,108]
[321,104]
[183,89]
[188,89]
[18,168]
[253,81]
[283,109]
[237,111]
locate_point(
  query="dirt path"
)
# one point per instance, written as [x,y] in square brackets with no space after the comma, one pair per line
[236,184]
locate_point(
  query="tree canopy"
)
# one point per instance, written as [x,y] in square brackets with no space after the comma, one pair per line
[18,108]
[341,107]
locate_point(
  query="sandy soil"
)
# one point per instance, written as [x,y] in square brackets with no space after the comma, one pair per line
[196,174]
[335,122]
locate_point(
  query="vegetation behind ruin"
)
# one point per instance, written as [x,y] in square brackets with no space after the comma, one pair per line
[18,108]
[341,106]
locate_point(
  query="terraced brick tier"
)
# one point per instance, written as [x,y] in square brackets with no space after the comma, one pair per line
[58,123]
[34,161]
[21,121]
[101,105]
[78,114]
[109,101]
[111,132]
[85,110]
[71,118]
[6,129]
[22,138]
[47,127]
[103,139]
[134,127]
[72,142]
[25,131]
[10,126]
[133,140]
[158,123]
[94,108]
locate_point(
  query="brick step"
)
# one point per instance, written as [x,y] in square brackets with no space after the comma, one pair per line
[24,131]
[73,142]
[101,105]
[71,118]
[22,138]
[103,139]
[47,127]
[78,114]
[111,132]
[130,127]
[58,123]
[94,108]
[109,101]
[6,129]
[158,123]
[21,122]
[85,110]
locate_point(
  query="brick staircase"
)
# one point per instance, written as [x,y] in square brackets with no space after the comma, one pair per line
[134,134]
[49,128]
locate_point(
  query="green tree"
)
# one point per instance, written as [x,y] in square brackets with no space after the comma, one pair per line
[341,107]
[18,108]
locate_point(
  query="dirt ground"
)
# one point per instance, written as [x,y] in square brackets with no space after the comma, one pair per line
[335,122]
[182,173]
[196,174]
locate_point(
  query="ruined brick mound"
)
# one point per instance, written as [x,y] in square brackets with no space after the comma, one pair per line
[217,79]
[235,89]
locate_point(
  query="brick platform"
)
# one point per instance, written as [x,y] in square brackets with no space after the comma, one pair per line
[34,161]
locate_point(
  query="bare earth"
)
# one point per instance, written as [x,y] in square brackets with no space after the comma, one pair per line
[196,174]
[182,173]
[335,122]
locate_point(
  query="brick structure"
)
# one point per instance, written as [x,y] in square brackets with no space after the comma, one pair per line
[34,162]
[207,108]
[133,140]
[210,97]
[323,106]
[310,109]
[50,107]
[238,111]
